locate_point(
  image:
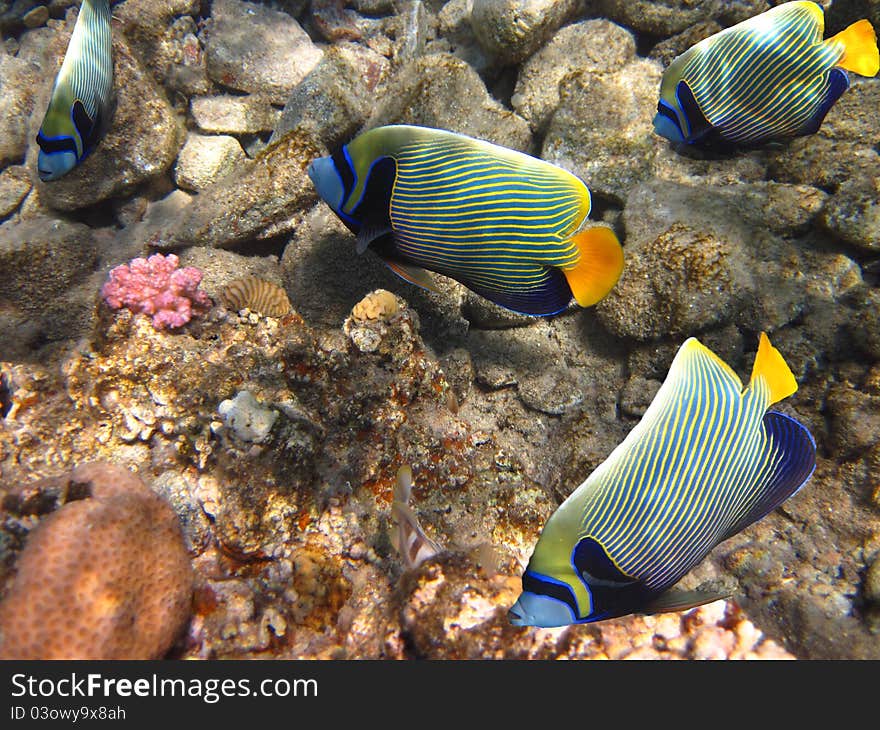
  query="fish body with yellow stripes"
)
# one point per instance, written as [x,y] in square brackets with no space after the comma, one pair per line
[82,100]
[707,459]
[503,223]
[770,78]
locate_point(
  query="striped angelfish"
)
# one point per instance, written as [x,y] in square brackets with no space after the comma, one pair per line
[504,224]
[706,460]
[408,537]
[771,77]
[82,99]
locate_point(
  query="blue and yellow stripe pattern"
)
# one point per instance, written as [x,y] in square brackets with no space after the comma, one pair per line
[771,77]
[82,98]
[504,224]
[706,460]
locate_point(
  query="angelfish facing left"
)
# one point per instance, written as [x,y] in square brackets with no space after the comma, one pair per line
[503,223]
[82,99]
[707,460]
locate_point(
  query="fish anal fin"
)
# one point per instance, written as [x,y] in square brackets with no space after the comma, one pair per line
[838,82]
[794,464]
[599,265]
[678,600]
[860,53]
[771,366]
[413,274]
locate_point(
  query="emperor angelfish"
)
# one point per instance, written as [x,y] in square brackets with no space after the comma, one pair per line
[500,222]
[771,77]
[706,460]
[82,100]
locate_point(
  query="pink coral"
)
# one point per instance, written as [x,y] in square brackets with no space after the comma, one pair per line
[155,286]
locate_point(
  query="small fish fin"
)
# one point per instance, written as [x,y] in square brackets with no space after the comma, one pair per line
[860,53]
[551,296]
[770,365]
[599,266]
[838,82]
[677,600]
[413,274]
[370,231]
[795,461]
[403,487]
[417,547]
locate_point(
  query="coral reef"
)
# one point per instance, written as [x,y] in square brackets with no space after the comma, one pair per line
[156,287]
[105,577]
[258,295]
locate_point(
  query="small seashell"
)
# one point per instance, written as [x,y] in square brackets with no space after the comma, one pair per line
[379,304]
[258,295]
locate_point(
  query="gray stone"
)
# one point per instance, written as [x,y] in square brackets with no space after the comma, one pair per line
[442,91]
[141,143]
[227,114]
[602,130]
[180,494]
[854,418]
[19,81]
[256,49]
[511,30]
[15,184]
[36,17]
[637,395]
[591,46]
[262,195]
[205,159]
[456,36]
[333,101]
[669,17]
[853,212]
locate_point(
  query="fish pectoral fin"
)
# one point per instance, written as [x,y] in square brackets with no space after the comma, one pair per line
[771,366]
[860,53]
[677,600]
[599,266]
[413,274]
[370,231]
[794,452]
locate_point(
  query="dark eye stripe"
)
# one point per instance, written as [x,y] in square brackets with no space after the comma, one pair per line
[346,174]
[533,583]
[52,145]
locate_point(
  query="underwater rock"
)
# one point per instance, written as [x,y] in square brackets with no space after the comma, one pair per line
[853,212]
[262,192]
[823,162]
[441,91]
[854,420]
[698,257]
[162,34]
[44,260]
[511,30]
[141,143]
[334,99]
[602,129]
[19,81]
[15,184]
[456,36]
[180,493]
[236,115]
[247,418]
[590,46]
[253,48]
[668,17]
[106,577]
[205,159]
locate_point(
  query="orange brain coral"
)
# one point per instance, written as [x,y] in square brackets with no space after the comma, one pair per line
[106,577]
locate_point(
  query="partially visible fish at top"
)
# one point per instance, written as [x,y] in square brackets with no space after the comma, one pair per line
[503,223]
[769,78]
[408,537]
[706,461]
[81,105]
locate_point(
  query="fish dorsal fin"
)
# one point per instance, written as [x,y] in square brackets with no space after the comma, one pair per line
[771,366]
[860,54]
[795,459]
[678,600]
[694,351]
[599,265]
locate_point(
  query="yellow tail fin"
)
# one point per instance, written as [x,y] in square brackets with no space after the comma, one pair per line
[860,48]
[599,266]
[771,366]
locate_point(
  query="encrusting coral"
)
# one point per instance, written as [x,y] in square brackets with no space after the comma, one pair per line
[155,286]
[107,577]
